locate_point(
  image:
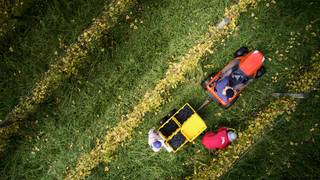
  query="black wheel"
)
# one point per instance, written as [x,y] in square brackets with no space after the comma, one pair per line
[261,72]
[241,51]
[164,119]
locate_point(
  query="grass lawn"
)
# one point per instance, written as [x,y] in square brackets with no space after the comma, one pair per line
[290,150]
[129,60]
[98,93]
[41,34]
[135,154]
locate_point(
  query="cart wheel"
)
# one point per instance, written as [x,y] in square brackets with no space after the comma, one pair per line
[261,72]
[241,52]
[168,116]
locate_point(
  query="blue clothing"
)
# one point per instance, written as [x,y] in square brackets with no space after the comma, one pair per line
[221,84]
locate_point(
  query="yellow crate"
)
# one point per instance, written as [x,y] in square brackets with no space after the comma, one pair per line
[193,127]
[170,120]
[174,149]
[183,128]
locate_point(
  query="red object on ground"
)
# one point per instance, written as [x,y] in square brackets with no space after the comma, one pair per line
[218,140]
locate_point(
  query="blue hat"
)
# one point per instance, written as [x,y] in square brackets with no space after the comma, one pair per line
[157,144]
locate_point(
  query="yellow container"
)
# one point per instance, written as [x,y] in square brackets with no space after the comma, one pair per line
[193,127]
[184,126]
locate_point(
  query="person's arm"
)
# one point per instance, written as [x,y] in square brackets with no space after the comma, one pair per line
[167,147]
[226,74]
[239,87]
[151,137]
[230,66]
[226,71]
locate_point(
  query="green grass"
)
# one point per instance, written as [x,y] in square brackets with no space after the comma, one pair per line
[27,52]
[139,57]
[290,150]
[131,62]
[141,163]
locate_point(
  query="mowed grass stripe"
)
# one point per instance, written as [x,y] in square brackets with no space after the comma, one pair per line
[132,157]
[283,148]
[153,99]
[79,112]
[309,80]
[226,158]
[65,67]
[261,123]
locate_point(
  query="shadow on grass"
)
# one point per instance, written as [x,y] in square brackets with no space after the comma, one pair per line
[270,32]
[291,150]
[106,71]
[44,28]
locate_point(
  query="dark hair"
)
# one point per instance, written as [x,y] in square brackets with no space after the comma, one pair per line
[230,130]
[229,93]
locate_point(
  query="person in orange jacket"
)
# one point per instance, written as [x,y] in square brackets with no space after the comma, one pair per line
[219,140]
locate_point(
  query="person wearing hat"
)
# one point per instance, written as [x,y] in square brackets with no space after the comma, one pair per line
[219,140]
[156,142]
[234,76]
[228,91]
[231,67]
